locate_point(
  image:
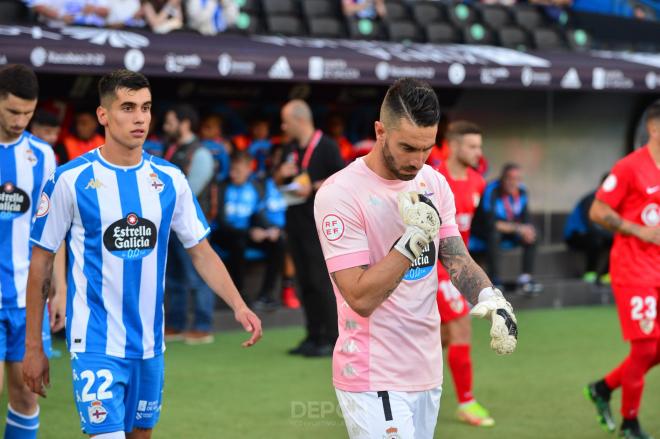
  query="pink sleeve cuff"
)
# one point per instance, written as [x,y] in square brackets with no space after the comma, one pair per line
[351,260]
[449,230]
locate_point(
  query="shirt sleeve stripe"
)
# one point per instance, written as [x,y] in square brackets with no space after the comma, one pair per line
[351,260]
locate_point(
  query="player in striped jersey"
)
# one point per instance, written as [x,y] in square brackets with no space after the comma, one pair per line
[25,164]
[116,206]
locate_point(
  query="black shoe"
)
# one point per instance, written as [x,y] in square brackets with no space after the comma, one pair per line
[323,350]
[304,347]
[630,429]
[265,304]
[602,403]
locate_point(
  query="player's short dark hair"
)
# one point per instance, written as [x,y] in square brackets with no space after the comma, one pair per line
[411,99]
[122,78]
[240,156]
[187,112]
[45,118]
[653,112]
[20,81]
[461,128]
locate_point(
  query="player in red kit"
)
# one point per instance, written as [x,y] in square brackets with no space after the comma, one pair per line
[628,203]
[464,152]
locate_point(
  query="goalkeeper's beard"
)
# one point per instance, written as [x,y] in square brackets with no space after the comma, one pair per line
[390,164]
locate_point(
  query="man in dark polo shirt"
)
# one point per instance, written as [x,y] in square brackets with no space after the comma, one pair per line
[304,164]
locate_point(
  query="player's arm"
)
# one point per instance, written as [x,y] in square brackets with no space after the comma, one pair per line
[470,280]
[57,298]
[601,213]
[365,288]
[35,363]
[211,268]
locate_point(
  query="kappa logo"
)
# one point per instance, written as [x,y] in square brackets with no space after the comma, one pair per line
[94,183]
[281,69]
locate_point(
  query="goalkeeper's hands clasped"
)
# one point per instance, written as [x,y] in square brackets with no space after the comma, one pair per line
[504,327]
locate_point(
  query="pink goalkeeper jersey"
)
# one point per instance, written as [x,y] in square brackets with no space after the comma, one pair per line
[398,347]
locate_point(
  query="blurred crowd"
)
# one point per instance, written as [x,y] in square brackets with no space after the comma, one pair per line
[210,17]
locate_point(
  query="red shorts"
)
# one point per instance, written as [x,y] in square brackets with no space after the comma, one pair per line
[451,302]
[638,311]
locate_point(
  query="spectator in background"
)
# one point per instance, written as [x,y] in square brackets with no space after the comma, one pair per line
[46,126]
[369,9]
[210,133]
[125,13]
[83,137]
[257,143]
[163,16]
[503,222]
[196,162]
[582,234]
[336,128]
[210,17]
[58,13]
[304,165]
[154,144]
[243,222]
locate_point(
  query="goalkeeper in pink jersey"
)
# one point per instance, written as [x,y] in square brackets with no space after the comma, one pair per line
[384,221]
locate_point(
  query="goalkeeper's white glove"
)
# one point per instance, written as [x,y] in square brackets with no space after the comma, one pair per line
[504,328]
[422,224]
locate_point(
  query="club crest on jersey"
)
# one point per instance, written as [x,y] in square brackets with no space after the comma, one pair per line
[651,215]
[97,413]
[14,201]
[392,433]
[155,183]
[30,157]
[422,266]
[130,238]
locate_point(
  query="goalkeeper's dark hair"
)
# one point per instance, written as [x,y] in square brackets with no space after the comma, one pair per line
[653,112]
[20,81]
[122,78]
[461,128]
[413,100]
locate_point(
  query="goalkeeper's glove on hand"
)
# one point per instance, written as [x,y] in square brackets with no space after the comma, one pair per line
[504,328]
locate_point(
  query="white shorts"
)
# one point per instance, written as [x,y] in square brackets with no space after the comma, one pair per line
[390,415]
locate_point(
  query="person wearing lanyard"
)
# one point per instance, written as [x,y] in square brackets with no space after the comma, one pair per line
[502,222]
[303,167]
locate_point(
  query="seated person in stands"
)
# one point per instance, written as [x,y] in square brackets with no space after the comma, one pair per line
[582,234]
[369,9]
[210,17]
[163,16]
[502,222]
[83,136]
[58,13]
[125,13]
[244,221]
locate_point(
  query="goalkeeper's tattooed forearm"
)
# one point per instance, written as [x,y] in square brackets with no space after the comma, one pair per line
[389,292]
[465,274]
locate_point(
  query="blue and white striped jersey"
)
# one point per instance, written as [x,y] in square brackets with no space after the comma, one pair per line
[25,165]
[117,223]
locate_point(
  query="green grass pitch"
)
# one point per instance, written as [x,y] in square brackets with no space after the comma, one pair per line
[225,391]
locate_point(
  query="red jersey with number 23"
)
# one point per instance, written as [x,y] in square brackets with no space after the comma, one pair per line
[633,190]
[467,194]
